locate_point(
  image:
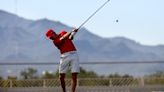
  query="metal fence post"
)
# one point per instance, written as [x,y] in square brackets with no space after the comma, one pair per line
[110,82]
[78,82]
[44,83]
[142,82]
[11,83]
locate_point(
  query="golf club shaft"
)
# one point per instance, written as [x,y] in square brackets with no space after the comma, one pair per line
[93,14]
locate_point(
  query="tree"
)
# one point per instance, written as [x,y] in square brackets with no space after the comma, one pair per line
[116,75]
[29,73]
[1,78]
[49,75]
[157,74]
[12,77]
[84,74]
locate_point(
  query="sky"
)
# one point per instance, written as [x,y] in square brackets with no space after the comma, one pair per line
[139,20]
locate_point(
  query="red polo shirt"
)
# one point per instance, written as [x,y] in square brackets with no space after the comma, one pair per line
[65,45]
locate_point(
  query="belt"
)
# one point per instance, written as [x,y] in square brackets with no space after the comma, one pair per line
[68,53]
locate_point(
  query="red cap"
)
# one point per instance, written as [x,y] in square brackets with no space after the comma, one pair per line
[49,33]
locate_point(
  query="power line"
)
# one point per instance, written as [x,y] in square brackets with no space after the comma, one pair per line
[85,63]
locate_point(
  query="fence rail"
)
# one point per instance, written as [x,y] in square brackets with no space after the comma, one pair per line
[87,89]
[88,82]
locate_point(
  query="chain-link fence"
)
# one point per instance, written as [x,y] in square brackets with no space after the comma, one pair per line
[87,82]
[85,85]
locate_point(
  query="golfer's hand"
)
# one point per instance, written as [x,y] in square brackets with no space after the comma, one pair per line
[71,37]
[74,30]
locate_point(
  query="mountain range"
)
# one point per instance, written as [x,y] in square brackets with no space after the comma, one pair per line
[24,40]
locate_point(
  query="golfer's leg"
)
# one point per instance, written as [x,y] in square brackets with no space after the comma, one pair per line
[74,81]
[62,81]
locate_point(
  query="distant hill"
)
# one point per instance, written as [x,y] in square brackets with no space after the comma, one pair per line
[23,40]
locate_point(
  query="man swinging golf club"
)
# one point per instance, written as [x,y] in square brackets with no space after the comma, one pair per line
[69,57]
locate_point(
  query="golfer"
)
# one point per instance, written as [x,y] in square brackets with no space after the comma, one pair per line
[69,58]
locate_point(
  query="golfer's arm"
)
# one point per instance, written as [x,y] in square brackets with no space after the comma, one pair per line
[72,33]
[66,35]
